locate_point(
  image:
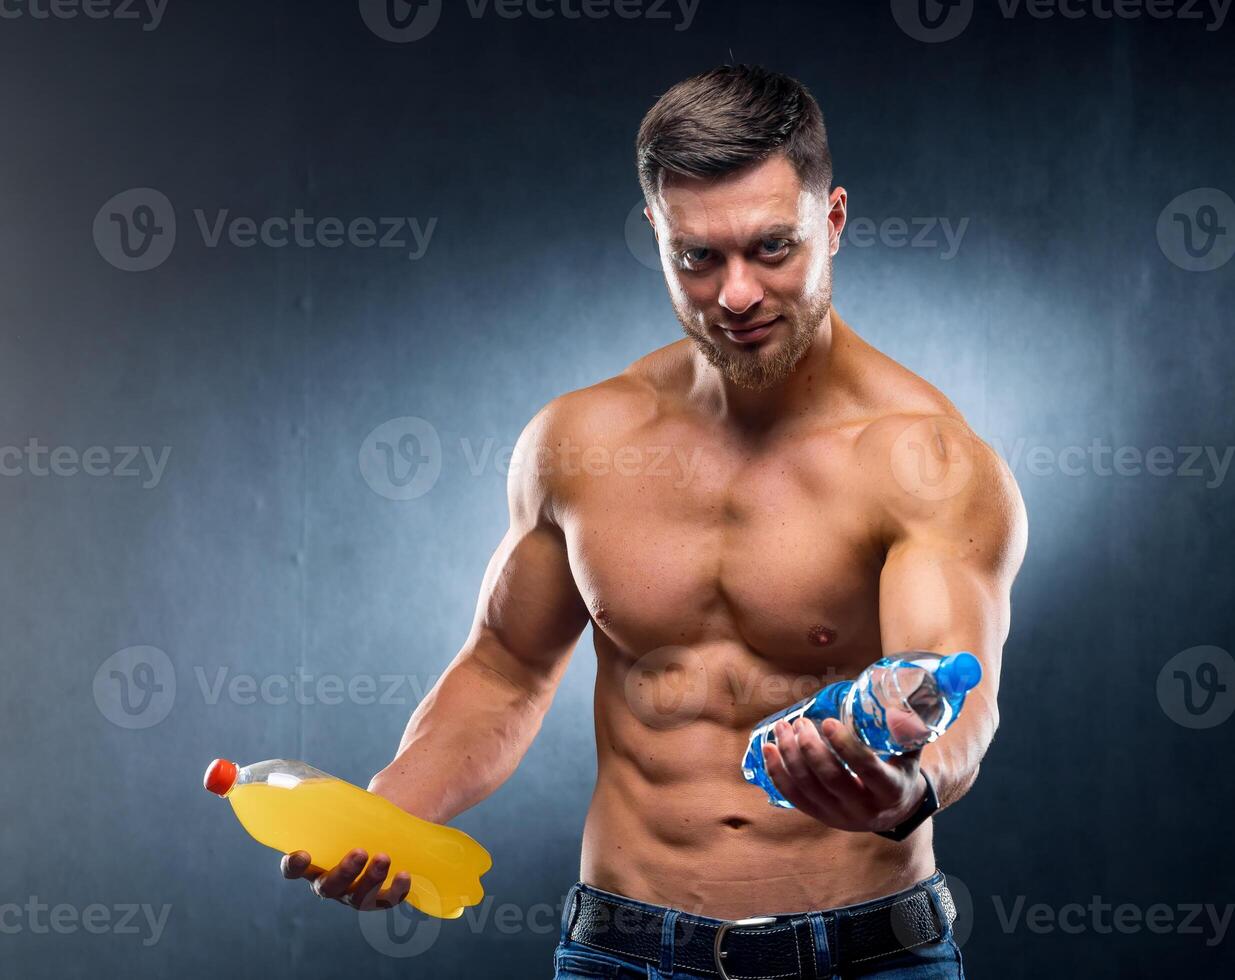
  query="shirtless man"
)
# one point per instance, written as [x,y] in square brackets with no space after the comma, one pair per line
[744,515]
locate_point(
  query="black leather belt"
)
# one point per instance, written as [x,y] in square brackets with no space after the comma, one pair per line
[771,946]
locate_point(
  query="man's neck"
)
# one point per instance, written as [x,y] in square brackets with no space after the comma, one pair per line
[749,411]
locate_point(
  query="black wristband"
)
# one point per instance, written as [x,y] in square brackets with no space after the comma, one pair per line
[929,804]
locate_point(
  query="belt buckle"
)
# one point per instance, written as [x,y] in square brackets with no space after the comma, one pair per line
[719,954]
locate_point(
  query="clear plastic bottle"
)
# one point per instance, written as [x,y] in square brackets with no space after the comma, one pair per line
[896,705]
[291,806]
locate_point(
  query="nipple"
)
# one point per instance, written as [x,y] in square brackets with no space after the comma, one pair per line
[822,636]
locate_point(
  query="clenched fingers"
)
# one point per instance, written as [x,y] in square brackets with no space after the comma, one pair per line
[338,880]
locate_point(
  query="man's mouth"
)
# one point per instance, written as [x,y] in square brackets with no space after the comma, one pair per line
[752,333]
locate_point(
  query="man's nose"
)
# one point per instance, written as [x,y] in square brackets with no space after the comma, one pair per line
[741,290]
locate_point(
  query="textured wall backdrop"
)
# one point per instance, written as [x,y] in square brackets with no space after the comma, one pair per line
[187,418]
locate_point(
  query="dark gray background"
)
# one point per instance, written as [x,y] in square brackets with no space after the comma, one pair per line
[263,551]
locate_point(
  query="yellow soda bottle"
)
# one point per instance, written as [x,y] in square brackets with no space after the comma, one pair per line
[291,806]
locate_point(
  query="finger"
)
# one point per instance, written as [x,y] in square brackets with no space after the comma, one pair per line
[878,778]
[335,882]
[817,807]
[803,780]
[389,897]
[852,798]
[373,877]
[298,864]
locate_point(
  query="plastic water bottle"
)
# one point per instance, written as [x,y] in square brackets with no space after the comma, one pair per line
[291,806]
[896,705]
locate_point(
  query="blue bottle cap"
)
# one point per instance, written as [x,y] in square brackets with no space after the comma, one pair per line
[958,673]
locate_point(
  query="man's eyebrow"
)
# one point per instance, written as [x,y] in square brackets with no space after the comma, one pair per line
[679,243]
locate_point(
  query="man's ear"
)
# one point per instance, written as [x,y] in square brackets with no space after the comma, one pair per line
[838,214]
[647,213]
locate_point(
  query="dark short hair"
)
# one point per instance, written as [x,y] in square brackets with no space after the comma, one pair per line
[727,119]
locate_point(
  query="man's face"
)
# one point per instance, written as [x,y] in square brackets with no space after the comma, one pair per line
[748,262]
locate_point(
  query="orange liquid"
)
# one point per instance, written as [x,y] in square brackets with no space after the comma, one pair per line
[329,817]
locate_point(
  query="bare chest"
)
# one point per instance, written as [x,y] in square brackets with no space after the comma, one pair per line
[694,542]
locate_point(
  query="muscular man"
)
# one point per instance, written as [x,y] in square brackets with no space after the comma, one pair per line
[744,515]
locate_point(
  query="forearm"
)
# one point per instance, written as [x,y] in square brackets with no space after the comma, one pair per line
[953,761]
[463,741]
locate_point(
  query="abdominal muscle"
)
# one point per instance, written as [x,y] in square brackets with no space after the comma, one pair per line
[673,823]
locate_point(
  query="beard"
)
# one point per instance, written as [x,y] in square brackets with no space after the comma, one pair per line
[761,366]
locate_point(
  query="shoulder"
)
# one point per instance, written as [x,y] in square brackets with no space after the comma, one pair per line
[597,418]
[932,477]
[603,411]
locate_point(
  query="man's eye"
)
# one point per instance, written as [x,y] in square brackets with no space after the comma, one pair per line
[696,256]
[772,246]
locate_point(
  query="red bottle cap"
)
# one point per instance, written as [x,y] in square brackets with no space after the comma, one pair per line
[220,776]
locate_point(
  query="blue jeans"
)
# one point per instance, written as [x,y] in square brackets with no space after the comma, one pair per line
[933,961]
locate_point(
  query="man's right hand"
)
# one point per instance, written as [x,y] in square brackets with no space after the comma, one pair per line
[346,883]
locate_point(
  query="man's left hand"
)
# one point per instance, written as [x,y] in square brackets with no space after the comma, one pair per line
[806,766]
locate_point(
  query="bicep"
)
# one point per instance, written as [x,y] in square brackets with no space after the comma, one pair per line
[947,578]
[529,614]
[933,598]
